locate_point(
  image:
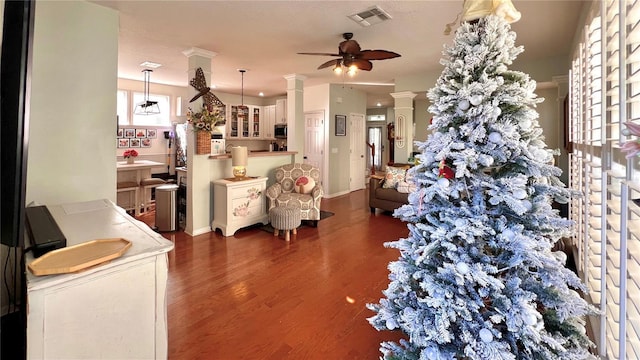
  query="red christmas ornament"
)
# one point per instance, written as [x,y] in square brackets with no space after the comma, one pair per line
[445,171]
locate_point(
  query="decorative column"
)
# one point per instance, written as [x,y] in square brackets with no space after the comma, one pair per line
[295,114]
[403,125]
[198,180]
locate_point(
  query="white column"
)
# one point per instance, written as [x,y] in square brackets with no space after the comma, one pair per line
[198,180]
[403,147]
[295,114]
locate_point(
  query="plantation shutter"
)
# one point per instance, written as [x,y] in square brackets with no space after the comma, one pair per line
[605,93]
[615,234]
[630,243]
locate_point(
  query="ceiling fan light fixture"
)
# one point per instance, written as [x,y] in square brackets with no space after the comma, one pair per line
[338,68]
[147,107]
[352,71]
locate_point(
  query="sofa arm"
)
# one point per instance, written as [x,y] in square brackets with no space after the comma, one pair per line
[316,194]
[374,184]
[272,194]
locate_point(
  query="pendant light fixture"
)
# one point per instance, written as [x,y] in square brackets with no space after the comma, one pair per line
[242,71]
[243,111]
[147,107]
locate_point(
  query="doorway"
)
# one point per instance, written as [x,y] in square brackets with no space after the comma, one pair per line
[374,156]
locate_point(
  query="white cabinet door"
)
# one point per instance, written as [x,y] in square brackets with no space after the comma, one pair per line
[269,115]
[281,111]
[255,122]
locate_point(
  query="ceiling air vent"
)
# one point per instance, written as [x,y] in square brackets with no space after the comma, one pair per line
[370,16]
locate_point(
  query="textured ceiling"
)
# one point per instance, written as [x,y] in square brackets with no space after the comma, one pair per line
[264,37]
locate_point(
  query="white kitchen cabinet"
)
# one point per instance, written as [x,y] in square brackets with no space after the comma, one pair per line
[237,204]
[244,122]
[269,115]
[281,111]
[255,122]
[115,310]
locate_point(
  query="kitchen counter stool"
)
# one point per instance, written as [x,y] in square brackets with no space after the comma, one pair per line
[147,186]
[127,195]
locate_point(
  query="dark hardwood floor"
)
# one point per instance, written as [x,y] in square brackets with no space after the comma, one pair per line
[254,296]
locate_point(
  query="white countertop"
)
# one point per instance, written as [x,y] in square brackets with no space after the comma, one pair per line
[100,219]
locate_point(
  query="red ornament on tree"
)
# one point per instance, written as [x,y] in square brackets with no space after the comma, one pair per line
[445,171]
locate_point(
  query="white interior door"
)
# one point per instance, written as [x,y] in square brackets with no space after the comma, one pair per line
[314,140]
[357,152]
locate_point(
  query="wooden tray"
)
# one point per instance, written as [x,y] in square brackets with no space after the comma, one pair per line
[79,257]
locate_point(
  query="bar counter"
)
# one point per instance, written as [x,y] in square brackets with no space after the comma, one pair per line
[255,154]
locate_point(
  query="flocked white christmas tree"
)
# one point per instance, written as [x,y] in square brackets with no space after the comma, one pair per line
[477,277]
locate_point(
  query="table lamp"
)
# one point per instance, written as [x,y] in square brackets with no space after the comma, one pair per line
[239,157]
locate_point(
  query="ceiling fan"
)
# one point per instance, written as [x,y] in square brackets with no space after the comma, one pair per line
[351,55]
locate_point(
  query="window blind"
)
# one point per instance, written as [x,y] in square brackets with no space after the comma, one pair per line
[604,94]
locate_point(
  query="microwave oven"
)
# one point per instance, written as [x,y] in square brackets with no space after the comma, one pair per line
[280,131]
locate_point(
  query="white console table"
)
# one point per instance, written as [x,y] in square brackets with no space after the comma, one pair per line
[238,204]
[115,310]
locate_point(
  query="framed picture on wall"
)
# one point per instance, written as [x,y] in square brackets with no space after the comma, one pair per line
[341,125]
[123,143]
[141,133]
[129,133]
[145,143]
[120,133]
[151,133]
[134,142]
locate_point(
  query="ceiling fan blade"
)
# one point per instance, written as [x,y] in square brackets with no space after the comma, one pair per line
[377,55]
[333,62]
[324,54]
[362,64]
[349,47]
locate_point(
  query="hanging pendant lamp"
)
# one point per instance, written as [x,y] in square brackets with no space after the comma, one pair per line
[242,71]
[147,107]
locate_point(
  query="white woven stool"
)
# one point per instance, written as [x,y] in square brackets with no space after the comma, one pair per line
[284,218]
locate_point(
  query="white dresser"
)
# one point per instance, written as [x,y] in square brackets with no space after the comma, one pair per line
[116,310]
[237,204]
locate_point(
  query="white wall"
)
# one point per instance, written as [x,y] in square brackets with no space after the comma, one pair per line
[72,120]
[342,101]
[72,133]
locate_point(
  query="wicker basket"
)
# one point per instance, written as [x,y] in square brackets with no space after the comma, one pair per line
[203,142]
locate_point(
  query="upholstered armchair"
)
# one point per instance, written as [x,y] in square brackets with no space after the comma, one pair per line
[297,185]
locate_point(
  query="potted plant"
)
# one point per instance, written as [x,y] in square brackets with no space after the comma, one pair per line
[203,123]
[130,155]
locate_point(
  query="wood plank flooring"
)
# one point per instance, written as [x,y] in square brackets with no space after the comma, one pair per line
[254,296]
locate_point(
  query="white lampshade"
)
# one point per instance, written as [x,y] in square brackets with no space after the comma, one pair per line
[239,155]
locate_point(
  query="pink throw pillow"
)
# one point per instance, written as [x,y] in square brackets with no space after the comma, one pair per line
[304,185]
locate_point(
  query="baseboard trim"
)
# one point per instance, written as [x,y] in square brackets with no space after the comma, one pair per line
[329,196]
[200,231]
